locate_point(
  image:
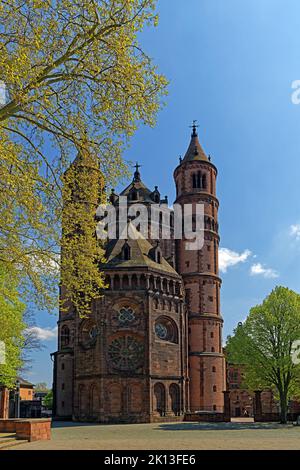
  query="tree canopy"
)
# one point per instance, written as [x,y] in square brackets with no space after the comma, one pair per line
[77,81]
[265,345]
[11,327]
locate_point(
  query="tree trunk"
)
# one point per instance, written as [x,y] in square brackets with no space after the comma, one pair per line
[283,408]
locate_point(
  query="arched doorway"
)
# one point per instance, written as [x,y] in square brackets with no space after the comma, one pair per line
[94,402]
[174,392]
[83,402]
[160,399]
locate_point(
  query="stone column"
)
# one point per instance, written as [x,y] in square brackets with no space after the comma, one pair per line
[4,403]
[257,406]
[227,410]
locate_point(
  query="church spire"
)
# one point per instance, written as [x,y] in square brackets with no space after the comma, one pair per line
[137,174]
[195,151]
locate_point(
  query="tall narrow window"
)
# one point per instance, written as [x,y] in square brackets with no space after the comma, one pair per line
[199,179]
[65,336]
[194,181]
[126,252]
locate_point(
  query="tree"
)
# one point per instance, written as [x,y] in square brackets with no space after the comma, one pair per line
[265,345]
[11,328]
[41,387]
[78,81]
[48,400]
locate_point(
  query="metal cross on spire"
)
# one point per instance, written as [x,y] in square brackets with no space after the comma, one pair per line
[194,127]
[137,175]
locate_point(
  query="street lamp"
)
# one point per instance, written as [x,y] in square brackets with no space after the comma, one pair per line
[17,399]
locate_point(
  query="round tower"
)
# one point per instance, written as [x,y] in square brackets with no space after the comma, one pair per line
[195,180]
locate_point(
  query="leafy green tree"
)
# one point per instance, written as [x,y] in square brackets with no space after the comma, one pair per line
[77,81]
[265,345]
[48,400]
[11,327]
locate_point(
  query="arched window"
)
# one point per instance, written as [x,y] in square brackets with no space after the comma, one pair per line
[199,179]
[214,388]
[212,349]
[194,181]
[175,399]
[214,369]
[117,283]
[126,252]
[160,399]
[134,282]
[166,330]
[125,282]
[204,182]
[65,336]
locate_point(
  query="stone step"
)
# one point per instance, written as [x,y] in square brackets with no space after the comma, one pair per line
[8,442]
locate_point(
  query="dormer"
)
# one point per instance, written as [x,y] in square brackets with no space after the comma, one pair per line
[156,195]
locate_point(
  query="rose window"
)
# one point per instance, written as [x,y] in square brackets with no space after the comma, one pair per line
[126,353]
[126,315]
[161,331]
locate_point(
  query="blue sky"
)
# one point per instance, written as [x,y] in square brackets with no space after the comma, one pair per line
[231,65]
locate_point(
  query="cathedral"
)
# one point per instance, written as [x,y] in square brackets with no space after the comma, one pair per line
[151,349]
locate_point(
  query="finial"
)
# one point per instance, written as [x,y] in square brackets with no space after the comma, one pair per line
[209,158]
[180,159]
[194,127]
[137,175]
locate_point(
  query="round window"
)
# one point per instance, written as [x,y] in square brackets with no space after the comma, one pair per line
[161,331]
[126,315]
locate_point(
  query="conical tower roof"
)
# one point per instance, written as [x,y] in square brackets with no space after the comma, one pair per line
[195,151]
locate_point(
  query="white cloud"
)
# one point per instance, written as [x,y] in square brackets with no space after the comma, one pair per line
[295,231]
[229,258]
[44,334]
[259,270]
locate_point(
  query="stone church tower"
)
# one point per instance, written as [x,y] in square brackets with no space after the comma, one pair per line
[195,180]
[151,348]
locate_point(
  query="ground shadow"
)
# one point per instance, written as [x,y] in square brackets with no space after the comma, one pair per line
[72,424]
[218,426]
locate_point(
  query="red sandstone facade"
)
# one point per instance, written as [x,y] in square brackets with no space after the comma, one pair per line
[243,403]
[151,349]
[195,180]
